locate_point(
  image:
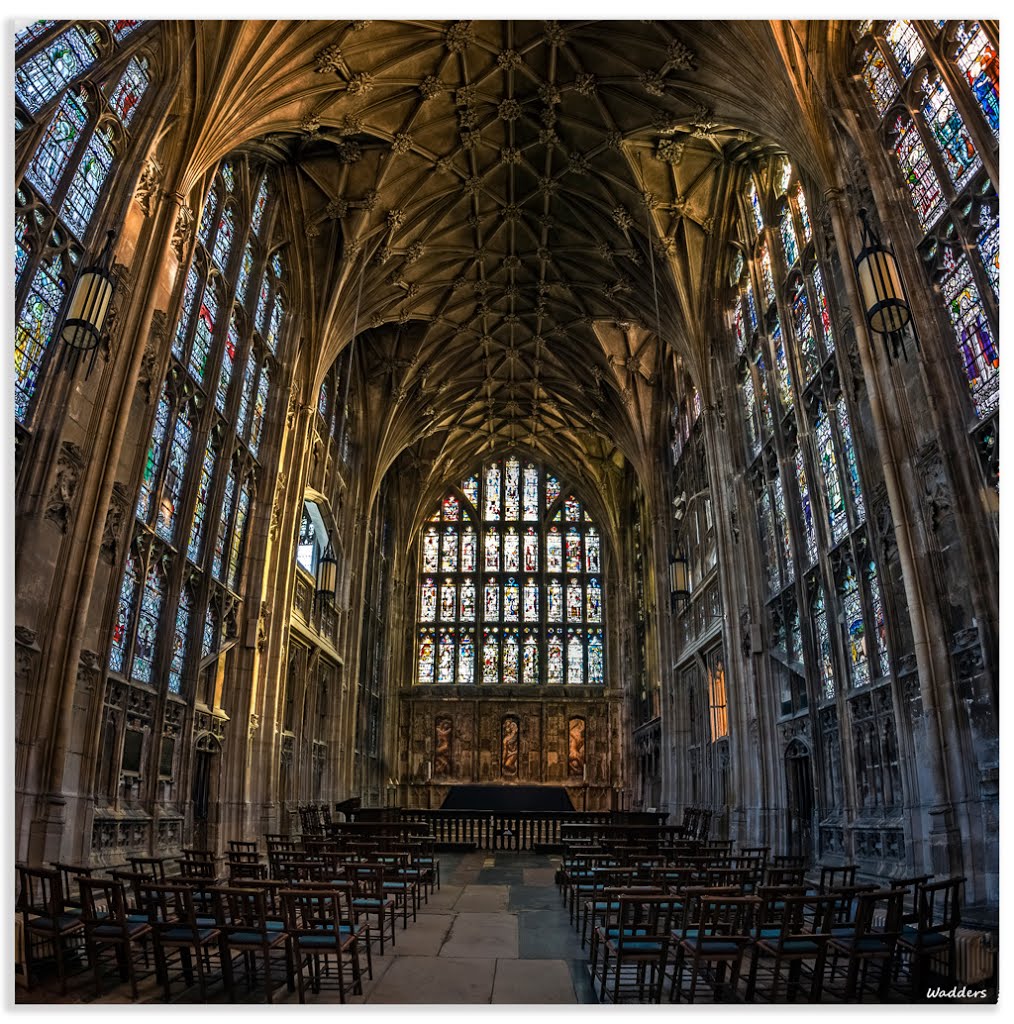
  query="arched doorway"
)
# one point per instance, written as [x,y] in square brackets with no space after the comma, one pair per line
[799,787]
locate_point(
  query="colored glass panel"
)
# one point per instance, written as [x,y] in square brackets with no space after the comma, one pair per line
[767,276]
[209,636]
[948,129]
[980,64]
[490,658]
[596,661]
[575,658]
[449,550]
[784,177]
[450,509]
[221,537]
[552,490]
[178,657]
[917,172]
[988,242]
[25,35]
[751,306]
[809,524]
[737,328]
[470,488]
[763,402]
[448,600]
[275,324]
[223,238]
[238,537]
[445,664]
[573,551]
[62,135]
[246,395]
[788,232]
[977,347]
[749,399]
[176,467]
[467,608]
[804,213]
[122,27]
[322,404]
[554,601]
[573,510]
[153,459]
[208,215]
[229,177]
[148,615]
[491,547]
[491,601]
[753,197]
[824,651]
[426,657]
[431,549]
[86,184]
[511,600]
[824,310]
[592,559]
[554,658]
[593,607]
[531,550]
[263,302]
[531,494]
[260,408]
[852,466]
[855,630]
[905,44]
[767,532]
[574,601]
[530,660]
[123,625]
[879,619]
[243,279]
[228,364]
[189,294]
[130,90]
[512,490]
[492,492]
[428,601]
[806,339]
[201,507]
[468,551]
[20,246]
[34,331]
[510,657]
[260,203]
[837,517]
[511,551]
[784,375]
[782,530]
[879,80]
[38,79]
[203,333]
[531,601]
[466,659]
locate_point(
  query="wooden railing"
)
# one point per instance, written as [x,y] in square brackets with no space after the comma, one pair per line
[500,830]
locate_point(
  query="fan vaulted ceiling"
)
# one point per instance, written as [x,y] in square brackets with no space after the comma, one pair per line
[520,205]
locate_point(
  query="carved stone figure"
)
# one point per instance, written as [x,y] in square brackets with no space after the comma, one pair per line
[509,748]
[575,755]
[444,729]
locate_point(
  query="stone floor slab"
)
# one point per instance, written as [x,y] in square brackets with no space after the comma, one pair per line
[546,935]
[482,935]
[424,937]
[533,981]
[435,979]
[539,876]
[482,899]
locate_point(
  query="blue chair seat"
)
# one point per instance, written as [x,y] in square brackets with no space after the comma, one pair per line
[187,934]
[708,945]
[64,922]
[370,901]
[322,941]
[911,937]
[114,931]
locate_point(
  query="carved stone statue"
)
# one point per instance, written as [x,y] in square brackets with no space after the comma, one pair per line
[509,748]
[575,756]
[442,748]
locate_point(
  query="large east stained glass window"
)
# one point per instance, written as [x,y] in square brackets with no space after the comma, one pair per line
[510,569]
[980,65]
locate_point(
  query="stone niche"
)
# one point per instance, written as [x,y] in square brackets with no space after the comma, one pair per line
[479,737]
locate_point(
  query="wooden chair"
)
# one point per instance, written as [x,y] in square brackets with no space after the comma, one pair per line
[108,923]
[716,930]
[798,932]
[248,928]
[151,867]
[173,919]
[245,846]
[369,897]
[931,936]
[640,937]
[837,877]
[69,874]
[865,944]
[317,923]
[45,920]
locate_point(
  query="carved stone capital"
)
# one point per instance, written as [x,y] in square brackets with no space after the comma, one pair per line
[59,504]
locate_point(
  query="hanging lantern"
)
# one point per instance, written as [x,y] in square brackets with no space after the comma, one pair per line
[327,575]
[84,325]
[679,578]
[883,294]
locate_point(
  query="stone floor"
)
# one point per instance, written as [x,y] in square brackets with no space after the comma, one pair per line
[495,932]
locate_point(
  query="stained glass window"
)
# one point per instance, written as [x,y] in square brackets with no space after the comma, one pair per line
[978,349]
[445,665]
[737,328]
[246,395]
[917,171]
[755,206]
[238,536]
[86,184]
[260,202]
[905,44]
[228,363]
[852,466]
[176,465]
[148,616]
[57,146]
[575,657]
[209,636]
[784,535]
[824,651]
[426,645]
[34,331]
[25,35]
[223,238]
[802,324]
[804,214]
[121,28]
[245,267]
[837,516]
[466,658]
[263,303]
[988,242]
[763,402]
[751,306]
[129,90]
[980,64]
[879,79]
[749,399]
[809,524]
[766,275]
[203,495]
[824,310]
[221,537]
[948,129]
[596,661]
[507,588]
[767,532]
[203,333]
[229,177]
[123,625]
[554,656]
[259,409]
[208,215]
[784,375]
[879,619]
[153,460]
[788,231]
[42,76]
[855,630]
[189,292]
[275,323]
[178,655]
